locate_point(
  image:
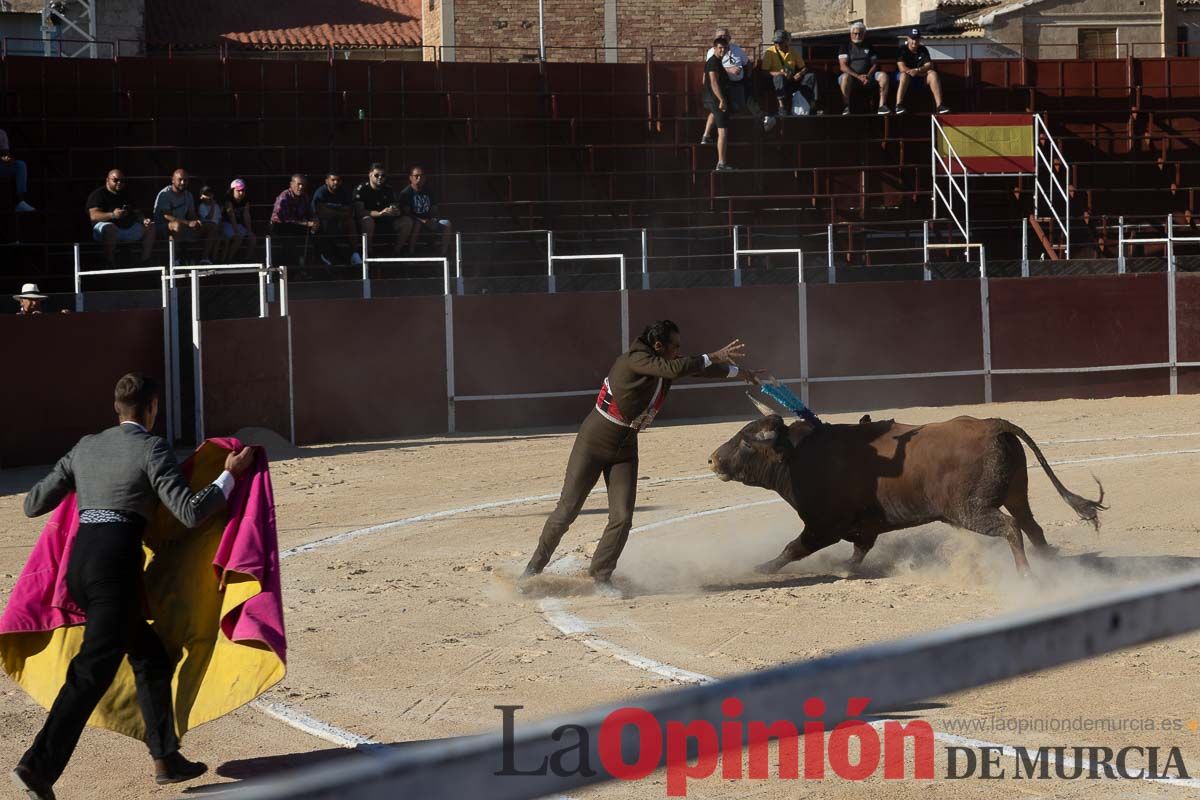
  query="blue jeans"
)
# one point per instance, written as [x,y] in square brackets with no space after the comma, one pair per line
[16,169]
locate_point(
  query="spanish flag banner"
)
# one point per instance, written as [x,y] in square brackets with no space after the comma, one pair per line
[988,143]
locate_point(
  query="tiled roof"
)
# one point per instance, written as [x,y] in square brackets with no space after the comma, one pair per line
[291,25]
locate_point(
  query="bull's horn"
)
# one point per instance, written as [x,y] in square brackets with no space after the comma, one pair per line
[763,408]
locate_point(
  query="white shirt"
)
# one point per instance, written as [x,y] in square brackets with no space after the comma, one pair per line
[225,480]
[734,57]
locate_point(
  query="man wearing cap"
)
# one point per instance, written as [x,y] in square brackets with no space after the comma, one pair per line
[119,477]
[915,65]
[741,91]
[29,301]
[789,74]
[858,61]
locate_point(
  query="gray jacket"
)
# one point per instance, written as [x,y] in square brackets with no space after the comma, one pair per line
[124,469]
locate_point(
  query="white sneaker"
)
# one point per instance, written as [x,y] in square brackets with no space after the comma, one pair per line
[769,123]
[24,208]
[355,259]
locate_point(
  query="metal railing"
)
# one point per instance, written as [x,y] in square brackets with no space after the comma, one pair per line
[893,674]
[940,167]
[1046,185]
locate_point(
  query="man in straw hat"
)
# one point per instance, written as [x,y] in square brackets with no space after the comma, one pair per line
[29,301]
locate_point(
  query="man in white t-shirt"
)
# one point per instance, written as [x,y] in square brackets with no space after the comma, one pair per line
[738,66]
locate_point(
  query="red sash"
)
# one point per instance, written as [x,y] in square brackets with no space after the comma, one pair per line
[606,404]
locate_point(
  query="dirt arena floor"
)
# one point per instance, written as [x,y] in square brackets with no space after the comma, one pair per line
[414,631]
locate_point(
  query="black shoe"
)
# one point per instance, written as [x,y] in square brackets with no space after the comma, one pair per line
[707,140]
[900,109]
[177,769]
[33,786]
[606,590]
[942,109]
[846,111]
[883,109]
[722,167]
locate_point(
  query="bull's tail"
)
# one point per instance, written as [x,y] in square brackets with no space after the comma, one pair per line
[1088,510]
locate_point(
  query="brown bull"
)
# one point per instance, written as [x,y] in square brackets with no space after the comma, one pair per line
[855,482]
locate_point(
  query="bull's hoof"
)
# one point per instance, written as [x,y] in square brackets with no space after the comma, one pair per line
[768,567]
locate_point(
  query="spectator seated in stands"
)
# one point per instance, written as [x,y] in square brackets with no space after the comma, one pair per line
[237,227]
[378,209]
[857,61]
[29,301]
[333,204]
[739,67]
[175,211]
[15,168]
[209,212]
[789,75]
[116,219]
[421,213]
[292,222]
[716,100]
[915,66]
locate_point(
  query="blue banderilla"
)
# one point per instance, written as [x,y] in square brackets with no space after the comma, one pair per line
[784,396]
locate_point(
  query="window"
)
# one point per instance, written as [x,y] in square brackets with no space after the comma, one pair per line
[1097,43]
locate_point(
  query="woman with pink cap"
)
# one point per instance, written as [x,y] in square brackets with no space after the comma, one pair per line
[237,227]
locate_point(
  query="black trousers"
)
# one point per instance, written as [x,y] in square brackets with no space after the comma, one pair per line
[289,243]
[601,448]
[104,577]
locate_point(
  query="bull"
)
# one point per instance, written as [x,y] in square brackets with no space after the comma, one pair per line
[854,482]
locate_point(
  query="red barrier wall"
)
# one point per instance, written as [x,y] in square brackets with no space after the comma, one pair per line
[894,328]
[245,375]
[1090,321]
[765,318]
[369,369]
[528,343]
[61,372]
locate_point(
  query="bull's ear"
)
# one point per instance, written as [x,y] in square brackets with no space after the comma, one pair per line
[798,432]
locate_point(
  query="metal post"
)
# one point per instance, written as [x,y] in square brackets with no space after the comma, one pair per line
[986,319]
[645,263]
[270,284]
[933,161]
[263,311]
[1121,245]
[446,276]
[802,292]
[624,305]
[1172,333]
[366,271]
[165,296]
[176,343]
[1024,248]
[197,367]
[458,273]
[799,266]
[541,30]
[737,272]
[450,390]
[283,292]
[550,261]
[829,252]
[928,273]
[78,282]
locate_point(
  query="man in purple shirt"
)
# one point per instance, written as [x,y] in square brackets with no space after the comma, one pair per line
[292,221]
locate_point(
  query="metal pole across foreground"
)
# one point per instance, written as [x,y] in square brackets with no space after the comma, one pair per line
[892,674]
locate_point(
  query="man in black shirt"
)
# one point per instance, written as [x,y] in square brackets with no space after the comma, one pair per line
[378,209]
[334,206]
[916,66]
[717,98]
[421,212]
[116,219]
[857,61]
